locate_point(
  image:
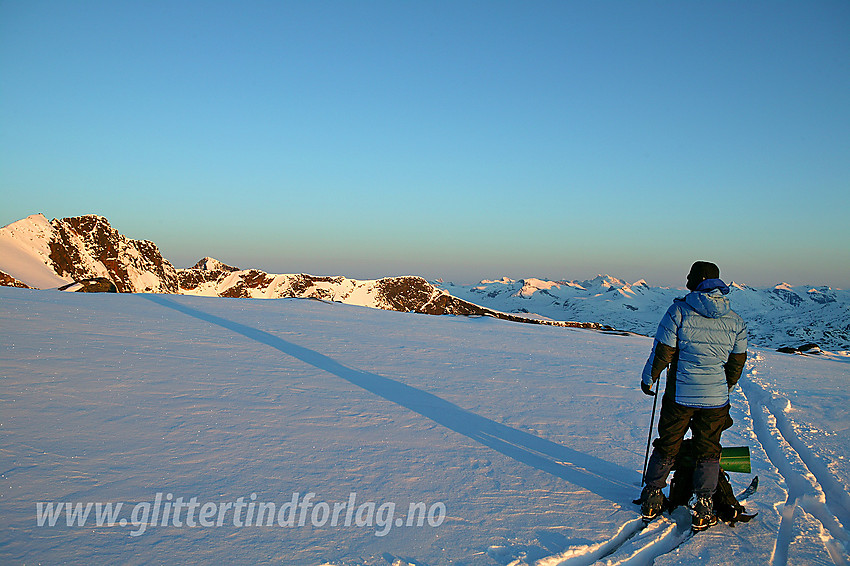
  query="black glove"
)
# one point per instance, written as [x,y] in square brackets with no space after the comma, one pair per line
[647,389]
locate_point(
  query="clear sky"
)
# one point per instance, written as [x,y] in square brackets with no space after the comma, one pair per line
[462,140]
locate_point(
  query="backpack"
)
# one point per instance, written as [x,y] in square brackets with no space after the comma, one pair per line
[726,505]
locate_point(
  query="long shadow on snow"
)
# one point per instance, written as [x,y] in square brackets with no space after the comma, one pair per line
[607,480]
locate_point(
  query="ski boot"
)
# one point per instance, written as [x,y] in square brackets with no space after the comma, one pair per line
[703,514]
[652,503]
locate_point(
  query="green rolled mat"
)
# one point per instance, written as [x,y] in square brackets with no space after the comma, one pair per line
[736,459]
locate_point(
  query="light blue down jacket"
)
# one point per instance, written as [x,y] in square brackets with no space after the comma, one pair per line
[705,330]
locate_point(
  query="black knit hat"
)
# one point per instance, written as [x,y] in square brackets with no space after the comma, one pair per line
[700,271]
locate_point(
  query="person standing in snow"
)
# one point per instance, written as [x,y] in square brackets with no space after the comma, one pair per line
[704,343]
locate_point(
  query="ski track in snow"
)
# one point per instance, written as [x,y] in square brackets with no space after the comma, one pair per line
[810,486]
[635,544]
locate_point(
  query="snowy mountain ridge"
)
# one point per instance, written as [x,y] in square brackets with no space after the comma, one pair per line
[42,254]
[779,316]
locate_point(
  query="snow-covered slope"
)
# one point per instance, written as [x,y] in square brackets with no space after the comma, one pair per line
[778,316]
[524,442]
[25,253]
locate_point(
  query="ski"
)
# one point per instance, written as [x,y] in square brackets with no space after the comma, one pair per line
[740,516]
[751,489]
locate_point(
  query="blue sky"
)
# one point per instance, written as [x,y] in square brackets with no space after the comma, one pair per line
[462,140]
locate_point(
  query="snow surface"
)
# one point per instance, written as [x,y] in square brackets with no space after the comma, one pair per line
[531,436]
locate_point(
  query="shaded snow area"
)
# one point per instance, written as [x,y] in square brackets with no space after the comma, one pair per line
[400,439]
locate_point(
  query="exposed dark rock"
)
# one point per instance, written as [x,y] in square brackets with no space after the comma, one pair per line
[809,348]
[92,285]
[79,240]
[252,279]
[211,264]
[789,297]
[7,280]
[207,270]
[191,279]
[824,295]
[303,285]
[405,294]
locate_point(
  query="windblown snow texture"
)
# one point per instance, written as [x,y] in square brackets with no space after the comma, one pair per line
[531,436]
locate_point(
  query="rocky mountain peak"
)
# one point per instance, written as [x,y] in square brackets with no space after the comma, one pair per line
[212,264]
[88,246]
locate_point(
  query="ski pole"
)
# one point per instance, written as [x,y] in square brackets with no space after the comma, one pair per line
[649,438]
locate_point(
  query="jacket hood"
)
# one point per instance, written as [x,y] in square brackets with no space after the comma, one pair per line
[711,284]
[711,304]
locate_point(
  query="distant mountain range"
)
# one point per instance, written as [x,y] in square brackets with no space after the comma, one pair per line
[42,254]
[778,316]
